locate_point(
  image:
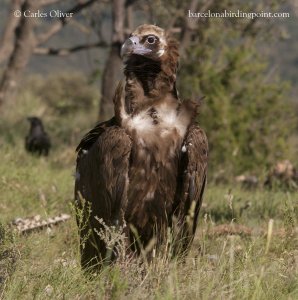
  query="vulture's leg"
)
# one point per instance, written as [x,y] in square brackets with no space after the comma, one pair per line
[101,193]
[190,189]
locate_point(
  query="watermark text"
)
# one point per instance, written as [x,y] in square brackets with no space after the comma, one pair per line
[55,13]
[238,14]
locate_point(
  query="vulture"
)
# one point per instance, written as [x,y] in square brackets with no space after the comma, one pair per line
[144,170]
[37,141]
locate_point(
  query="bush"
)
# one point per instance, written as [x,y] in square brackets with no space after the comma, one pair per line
[247,113]
[66,93]
[66,121]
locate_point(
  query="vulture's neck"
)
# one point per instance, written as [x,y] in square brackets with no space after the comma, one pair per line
[148,81]
[141,70]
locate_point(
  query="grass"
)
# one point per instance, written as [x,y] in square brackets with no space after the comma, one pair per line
[45,264]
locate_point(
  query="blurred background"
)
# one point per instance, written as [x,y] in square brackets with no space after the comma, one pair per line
[64,70]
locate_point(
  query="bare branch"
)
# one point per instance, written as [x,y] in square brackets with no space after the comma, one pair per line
[58,25]
[81,27]
[28,225]
[187,27]
[23,47]
[249,27]
[114,62]
[67,51]
[175,30]
[129,2]
[191,23]
[7,40]
[49,2]
[118,21]
[129,19]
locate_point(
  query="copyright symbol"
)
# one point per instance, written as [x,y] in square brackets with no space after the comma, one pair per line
[17,13]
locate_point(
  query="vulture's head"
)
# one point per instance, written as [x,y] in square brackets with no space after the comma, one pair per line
[149,41]
[150,53]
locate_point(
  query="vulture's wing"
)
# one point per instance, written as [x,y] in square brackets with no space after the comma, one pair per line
[90,138]
[101,186]
[191,183]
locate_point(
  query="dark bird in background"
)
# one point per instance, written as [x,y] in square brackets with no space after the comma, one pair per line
[37,141]
[146,167]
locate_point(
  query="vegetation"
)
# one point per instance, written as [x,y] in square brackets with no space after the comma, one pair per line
[45,264]
[250,123]
[245,114]
[248,114]
[246,109]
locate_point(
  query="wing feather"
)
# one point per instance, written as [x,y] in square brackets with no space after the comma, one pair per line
[191,182]
[102,181]
[89,139]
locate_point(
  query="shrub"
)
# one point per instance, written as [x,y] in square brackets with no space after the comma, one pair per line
[66,93]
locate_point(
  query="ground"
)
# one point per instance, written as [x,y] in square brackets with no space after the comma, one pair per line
[241,259]
[232,256]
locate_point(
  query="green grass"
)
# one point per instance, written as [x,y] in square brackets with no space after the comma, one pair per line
[45,264]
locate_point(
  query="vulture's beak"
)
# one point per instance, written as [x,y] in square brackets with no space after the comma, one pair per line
[133,46]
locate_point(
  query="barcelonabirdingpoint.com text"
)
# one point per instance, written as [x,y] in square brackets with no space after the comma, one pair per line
[238,14]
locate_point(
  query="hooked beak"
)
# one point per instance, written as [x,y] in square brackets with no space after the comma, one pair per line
[133,46]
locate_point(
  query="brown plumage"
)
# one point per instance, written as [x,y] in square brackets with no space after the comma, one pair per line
[146,167]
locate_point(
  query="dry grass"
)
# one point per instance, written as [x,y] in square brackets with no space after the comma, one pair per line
[225,264]
[246,260]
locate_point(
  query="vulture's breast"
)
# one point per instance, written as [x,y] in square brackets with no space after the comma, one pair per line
[157,134]
[158,127]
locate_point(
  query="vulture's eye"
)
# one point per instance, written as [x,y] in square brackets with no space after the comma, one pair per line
[151,39]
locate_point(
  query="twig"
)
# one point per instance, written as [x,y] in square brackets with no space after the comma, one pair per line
[67,51]
[28,225]
[58,25]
